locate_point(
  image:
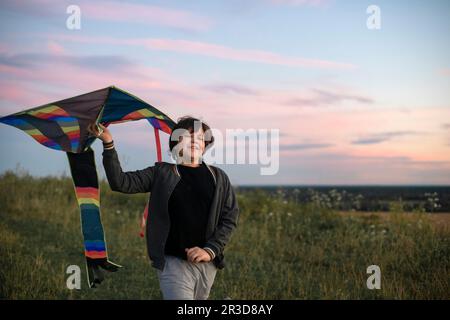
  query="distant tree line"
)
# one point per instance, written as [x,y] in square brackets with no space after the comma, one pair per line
[366,198]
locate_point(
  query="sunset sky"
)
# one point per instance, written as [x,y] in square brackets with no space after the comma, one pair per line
[353,105]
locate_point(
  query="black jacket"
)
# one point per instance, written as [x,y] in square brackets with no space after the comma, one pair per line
[160,180]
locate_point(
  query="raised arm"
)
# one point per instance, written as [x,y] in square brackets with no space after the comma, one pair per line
[139,181]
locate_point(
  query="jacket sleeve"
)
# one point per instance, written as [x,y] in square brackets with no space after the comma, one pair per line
[228,219]
[139,181]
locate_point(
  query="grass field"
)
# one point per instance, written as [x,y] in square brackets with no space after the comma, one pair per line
[280,250]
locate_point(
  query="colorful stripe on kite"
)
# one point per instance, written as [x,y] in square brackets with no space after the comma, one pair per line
[158,121]
[141,114]
[69,125]
[160,124]
[31,130]
[89,202]
[53,114]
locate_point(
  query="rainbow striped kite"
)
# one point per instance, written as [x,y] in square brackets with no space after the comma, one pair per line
[62,125]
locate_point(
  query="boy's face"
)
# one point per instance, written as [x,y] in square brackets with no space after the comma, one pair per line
[193,145]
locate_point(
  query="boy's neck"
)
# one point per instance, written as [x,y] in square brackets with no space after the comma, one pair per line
[193,163]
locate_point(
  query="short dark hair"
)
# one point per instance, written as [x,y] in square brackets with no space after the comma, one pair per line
[187,123]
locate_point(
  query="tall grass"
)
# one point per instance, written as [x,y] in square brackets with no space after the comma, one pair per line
[280,250]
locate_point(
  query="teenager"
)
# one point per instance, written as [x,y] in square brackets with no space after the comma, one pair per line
[193,209]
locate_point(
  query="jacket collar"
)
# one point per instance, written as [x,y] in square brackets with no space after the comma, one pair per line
[207,165]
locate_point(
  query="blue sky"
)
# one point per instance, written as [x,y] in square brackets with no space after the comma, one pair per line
[353,105]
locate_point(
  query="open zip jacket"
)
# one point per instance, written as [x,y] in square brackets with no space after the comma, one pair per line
[160,180]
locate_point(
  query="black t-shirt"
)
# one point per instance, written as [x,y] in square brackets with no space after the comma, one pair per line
[189,207]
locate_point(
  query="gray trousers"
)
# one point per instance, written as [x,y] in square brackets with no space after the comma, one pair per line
[184,280]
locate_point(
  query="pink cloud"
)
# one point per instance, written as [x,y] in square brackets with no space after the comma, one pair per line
[54,77]
[445,71]
[223,52]
[16,96]
[231,88]
[4,48]
[342,127]
[314,3]
[118,12]
[393,161]
[334,126]
[339,167]
[324,98]
[214,50]
[55,48]
[9,92]
[145,14]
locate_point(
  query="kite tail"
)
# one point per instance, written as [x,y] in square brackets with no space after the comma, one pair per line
[158,153]
[84,175]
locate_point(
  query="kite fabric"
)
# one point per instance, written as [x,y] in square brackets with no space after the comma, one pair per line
[84,176]
[62,125]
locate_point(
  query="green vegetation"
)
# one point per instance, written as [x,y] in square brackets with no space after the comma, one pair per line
[280,250]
